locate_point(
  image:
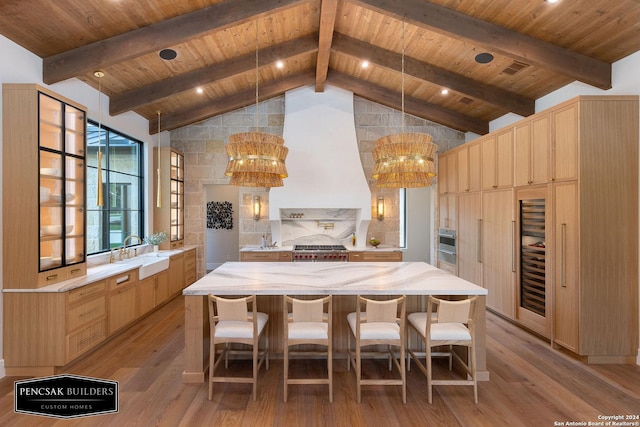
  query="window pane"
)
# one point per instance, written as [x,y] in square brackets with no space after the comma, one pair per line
[122,182]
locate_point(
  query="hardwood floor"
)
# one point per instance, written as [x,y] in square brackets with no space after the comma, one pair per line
[531,385]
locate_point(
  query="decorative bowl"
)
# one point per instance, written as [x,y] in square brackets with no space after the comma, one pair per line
[374,242]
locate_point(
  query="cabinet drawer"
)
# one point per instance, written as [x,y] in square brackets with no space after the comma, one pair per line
[190,261]
[370,256]
[85,339]
[83,313]
[86,292]
[189,277]
[177,244]
[124,280]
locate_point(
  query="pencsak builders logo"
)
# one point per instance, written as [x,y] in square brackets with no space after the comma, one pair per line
[66,396]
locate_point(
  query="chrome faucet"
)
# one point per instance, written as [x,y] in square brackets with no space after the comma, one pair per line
[125,250]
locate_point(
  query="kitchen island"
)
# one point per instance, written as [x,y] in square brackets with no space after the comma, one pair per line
[270,280]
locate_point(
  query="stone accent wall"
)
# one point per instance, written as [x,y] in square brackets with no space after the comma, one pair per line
[205,162]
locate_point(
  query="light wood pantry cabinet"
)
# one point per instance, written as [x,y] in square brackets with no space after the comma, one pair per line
[577,283]
[596,229]
[43,172]
[497,160]
[169,217]
[498,251]
[469,168]
[375,256]
[469,254]
[447,173]
[532,151]
[448,214]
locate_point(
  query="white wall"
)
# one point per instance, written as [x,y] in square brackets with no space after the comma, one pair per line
[21,66]
[420,224]
[222,245]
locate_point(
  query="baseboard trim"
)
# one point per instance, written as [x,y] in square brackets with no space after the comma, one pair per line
[3,371]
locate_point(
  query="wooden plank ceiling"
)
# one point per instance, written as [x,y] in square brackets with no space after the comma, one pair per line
[537,47]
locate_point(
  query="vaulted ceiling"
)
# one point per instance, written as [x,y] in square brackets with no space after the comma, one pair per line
[537,47]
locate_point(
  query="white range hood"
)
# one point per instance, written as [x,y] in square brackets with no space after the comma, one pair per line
[325,171]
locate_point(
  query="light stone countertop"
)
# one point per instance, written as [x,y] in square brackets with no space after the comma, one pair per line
[336,278]
[99,272]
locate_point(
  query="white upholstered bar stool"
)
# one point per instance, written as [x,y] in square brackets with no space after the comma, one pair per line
[231,322]
[308,323]
[382,323]
[453,324]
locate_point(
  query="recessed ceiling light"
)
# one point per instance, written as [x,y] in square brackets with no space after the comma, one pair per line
[199,90]
[444,91]
[279,64]
[168,54]
[552,1]
[364,64]
[484,58]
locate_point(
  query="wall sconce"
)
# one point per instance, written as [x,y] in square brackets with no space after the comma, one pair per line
[256,207]
[380,208]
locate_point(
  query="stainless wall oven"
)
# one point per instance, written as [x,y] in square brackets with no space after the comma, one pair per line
[447,248]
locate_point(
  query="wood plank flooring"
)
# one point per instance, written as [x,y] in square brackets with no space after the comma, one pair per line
[531,385]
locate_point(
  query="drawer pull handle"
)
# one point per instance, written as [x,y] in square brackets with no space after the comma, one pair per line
[76,270]
[122,279]
[52,277]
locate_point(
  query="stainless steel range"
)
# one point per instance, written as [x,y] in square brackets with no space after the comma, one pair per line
[320,253]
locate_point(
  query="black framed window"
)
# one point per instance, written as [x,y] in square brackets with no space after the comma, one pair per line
[123,189]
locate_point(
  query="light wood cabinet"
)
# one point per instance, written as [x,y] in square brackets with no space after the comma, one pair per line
[448,214]
[266,256]
[469,255]
[176,274]
[532,151]
[497,160]
[596,228]
[469,168]
[190,267]
[123,300]
[447,173]
[564,140]
[590,258]
[498,252]
[43,175]
[152,292]
[169,216]
[375,256]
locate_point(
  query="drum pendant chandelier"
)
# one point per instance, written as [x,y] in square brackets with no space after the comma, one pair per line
[404,160]
[256,159]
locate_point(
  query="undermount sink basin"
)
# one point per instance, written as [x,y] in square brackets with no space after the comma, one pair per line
[150,264]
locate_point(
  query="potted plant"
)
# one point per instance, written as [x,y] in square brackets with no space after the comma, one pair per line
[155,239]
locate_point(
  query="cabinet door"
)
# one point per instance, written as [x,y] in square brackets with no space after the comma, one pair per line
[522,157]
[504,159]
[162,287]
[566,285]
[475,167]
[448,213]
[176,274]
[123,308]
[489,165]
[463,169]
[540,135]
[468,238]
[565,143]
[146,295]
[447,173]
[498,251]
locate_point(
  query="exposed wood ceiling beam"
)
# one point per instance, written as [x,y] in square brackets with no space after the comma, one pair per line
[424,71]
[122,47]
[157,91]
[232,102]
[499,39]
[327,23]
[412,106]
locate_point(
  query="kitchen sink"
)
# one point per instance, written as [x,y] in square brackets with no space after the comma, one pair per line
[150,264]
